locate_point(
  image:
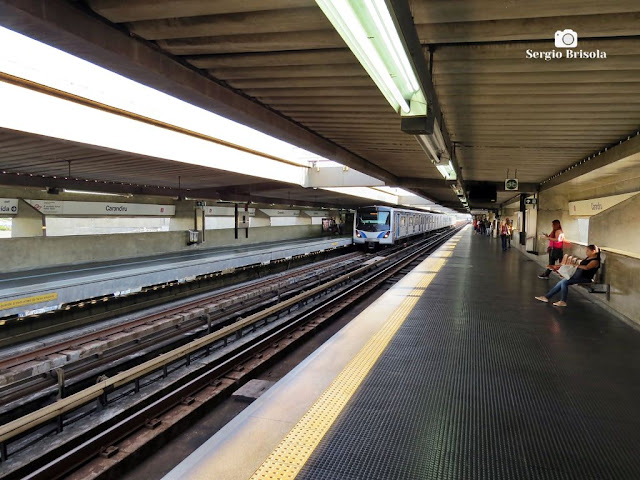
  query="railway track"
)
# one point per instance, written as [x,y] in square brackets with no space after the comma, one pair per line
[78,358]
[158,395]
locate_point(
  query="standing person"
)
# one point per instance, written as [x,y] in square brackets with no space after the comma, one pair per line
[510,225]
[504,233]
[584,274]
[556,242]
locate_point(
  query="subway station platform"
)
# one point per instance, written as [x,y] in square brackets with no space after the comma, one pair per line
[52,287]
[456,372]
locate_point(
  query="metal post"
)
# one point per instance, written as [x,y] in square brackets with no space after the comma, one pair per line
[59,373]
[245,219]
[523,210]
[235,226]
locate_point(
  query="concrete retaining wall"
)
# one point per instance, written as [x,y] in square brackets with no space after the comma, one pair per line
[616,228]
[41,252]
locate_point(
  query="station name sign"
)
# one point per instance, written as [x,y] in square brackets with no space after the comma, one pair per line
[597,205]
[8,206]
[57,207]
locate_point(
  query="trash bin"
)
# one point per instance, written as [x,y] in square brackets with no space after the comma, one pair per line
[194,237]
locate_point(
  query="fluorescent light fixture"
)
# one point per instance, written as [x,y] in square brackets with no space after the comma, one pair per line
[71,121]
[368,29]
[46,65]
[87,192]
[434,144]
[447,171]
[366,192]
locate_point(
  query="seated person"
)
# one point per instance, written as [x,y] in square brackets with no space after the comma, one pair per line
[584,274]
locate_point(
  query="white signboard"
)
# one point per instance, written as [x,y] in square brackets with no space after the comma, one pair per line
[8,206]
[597,205]
[316,213]
[56,207]
[228,211]
[273,212]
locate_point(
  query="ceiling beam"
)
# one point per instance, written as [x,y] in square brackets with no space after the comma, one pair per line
[479,10]
[135,10]
[598,160]
[62,25]
[595,26]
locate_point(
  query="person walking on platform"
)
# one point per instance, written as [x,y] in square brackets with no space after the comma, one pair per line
[584,274]
[556,241]
[504,232]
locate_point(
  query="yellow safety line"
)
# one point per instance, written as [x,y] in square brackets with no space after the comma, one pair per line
[295,449]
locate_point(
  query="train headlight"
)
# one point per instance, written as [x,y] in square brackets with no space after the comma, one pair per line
[358,234]
[386,235]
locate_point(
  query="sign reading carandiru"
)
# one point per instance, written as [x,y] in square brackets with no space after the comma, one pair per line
[57,207]
[597,205]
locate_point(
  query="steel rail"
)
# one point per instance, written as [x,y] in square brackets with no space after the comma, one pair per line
[47,350]
[79,455]
[116,432]
[72,402]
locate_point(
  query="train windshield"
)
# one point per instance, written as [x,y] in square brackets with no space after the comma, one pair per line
[373,220]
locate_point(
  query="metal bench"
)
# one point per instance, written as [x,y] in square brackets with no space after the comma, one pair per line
[596,286]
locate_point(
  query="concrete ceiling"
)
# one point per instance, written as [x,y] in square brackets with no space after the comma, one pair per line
[279,66]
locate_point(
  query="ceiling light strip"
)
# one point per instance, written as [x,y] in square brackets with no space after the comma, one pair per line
[53,92]
[350,28]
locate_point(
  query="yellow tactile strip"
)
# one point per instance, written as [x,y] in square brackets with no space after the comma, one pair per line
[295,449]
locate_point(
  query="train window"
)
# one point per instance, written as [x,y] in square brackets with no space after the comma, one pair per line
[371,220]
[402,221]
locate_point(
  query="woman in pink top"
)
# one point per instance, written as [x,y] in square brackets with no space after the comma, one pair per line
[556,241]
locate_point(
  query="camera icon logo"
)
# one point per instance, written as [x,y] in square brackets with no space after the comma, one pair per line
[566,38]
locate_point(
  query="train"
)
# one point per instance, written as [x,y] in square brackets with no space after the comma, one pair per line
[378,226]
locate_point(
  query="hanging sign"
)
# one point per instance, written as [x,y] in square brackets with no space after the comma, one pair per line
[511,184]
[597,205]
[57,207]
[272,212]
[228,211]
[315,213]
[8,206]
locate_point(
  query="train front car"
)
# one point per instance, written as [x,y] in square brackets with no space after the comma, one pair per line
[373,227]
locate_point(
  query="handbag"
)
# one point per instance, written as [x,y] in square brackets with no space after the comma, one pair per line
[567,270]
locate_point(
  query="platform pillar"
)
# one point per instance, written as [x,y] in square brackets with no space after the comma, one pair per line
[28,222]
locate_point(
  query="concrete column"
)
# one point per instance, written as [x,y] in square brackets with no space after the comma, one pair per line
[28,222]
[184,219]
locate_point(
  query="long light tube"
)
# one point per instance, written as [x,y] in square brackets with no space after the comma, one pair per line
[368,30]
[447,171]
[429,147]
[385,25]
